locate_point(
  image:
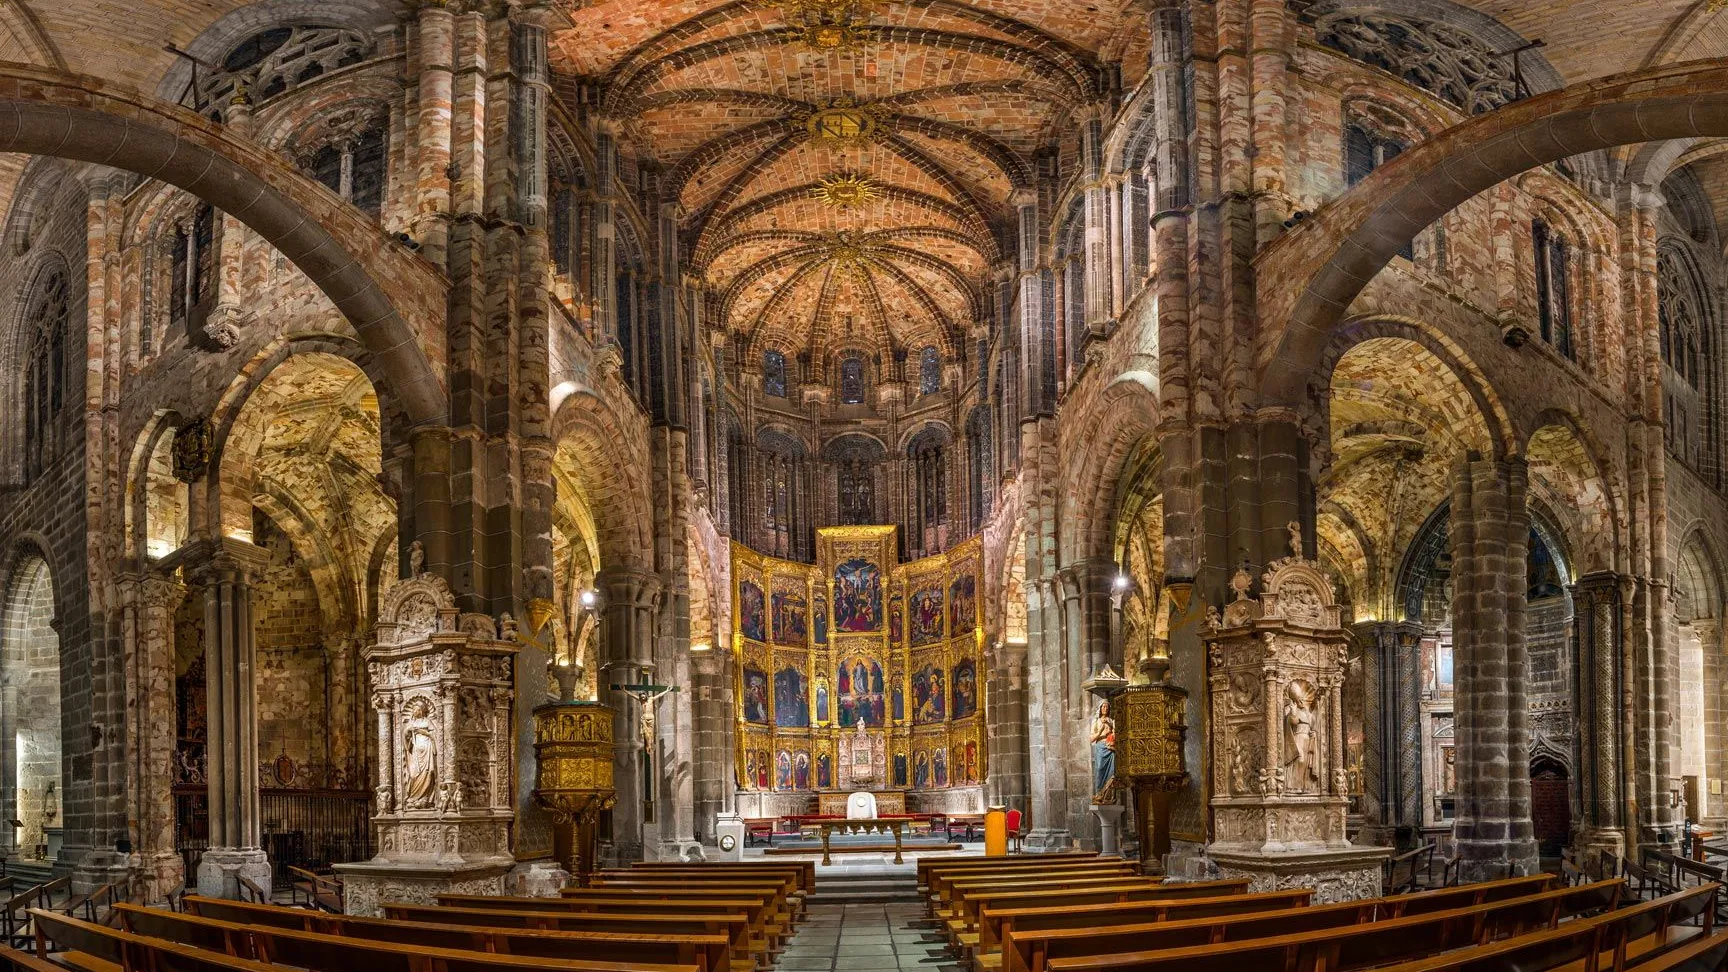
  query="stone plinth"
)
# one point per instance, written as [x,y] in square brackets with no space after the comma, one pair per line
[1279,783]
[442,686]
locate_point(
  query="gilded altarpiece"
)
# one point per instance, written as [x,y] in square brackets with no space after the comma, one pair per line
[858,672]
[443,692]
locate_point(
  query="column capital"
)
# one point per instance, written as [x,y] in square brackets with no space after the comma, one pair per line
[223,559]
[625,587]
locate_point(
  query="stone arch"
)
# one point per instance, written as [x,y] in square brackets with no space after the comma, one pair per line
[237,420]
[342,252]
[1570,480]
[215,41]
[158,513]
[1137,549]
[607,461]
[1322,265]
[1125,414]
[31,744]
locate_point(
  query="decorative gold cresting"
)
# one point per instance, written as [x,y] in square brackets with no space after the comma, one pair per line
[846,190]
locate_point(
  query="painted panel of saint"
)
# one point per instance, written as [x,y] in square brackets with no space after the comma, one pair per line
[965,689]
[821,620]
[899,696]
[926,610]
[896,621]
[752,617]
[857,596]
[750,769]
[971,764]
[801,771]
[756,696]
[962,605]
[861,695]
[791,626]
[927,696]
[899,769]
[822,716]
[921,769]
[824,771]
[783,771]
[941,763]
[762,769]
[791,703]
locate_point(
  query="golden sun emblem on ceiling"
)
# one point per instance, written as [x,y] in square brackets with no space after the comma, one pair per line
[827,25]
[846,190]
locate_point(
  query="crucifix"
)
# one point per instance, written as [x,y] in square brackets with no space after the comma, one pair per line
[647,695]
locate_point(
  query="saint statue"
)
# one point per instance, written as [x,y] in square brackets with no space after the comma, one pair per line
[1103,752]
[1301,749]
[422,760]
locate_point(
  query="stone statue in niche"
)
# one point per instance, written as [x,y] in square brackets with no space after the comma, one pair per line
[422,751]
[1103,755]
[1301,749]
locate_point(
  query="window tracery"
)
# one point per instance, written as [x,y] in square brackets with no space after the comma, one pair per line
[1439,58]
[44,369]
[928,491]
[774,374]
[929,371]
[854,461]
[852,379]
[348,154]
[1553,287]
[192,267]
[276,61]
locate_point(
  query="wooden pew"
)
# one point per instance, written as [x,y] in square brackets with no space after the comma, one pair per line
[735,926]
[89,947]
[945,888]
[1196,946]
[996,923]
[806,870]
[935,865]
[707,953]
[318,952]
[933,881]
[12,960]
[964,932]
[769,911]
[784,886]
[1646,936]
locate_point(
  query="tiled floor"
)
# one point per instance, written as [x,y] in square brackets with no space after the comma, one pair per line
[864,938]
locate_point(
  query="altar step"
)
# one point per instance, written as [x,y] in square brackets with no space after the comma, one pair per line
[850,889]
[815,847]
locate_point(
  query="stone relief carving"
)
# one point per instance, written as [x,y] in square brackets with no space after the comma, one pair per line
[421,753]
[1301,748]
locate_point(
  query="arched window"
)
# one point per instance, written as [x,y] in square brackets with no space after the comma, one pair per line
[774,374]
[1553,287]
[784,512]
[44,369]
[855,459]
[1680,310]
[979,465]
[852,379]
[192,267]
[928,492]
[1367,148]
[353,166]
[929,372]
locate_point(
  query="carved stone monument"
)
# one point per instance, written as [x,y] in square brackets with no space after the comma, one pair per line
[863,759]
[442,685]
[1280,787]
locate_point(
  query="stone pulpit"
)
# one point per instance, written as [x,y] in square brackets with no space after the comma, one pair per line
[443,688]
[1279,780]
[863,759]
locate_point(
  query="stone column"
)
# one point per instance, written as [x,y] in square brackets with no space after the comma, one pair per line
[1047,735]
[436,36]
[714,784]
[627,626]
[1086,626]
[1391,732]
[225,572]
[1709,633]
[1006,727]
[1490,535]
[151,601]
[1597,693]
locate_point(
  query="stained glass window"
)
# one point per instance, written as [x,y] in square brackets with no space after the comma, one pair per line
[929,372]
[774,374]
[851,380]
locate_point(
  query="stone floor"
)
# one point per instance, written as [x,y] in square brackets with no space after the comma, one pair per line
[864,938]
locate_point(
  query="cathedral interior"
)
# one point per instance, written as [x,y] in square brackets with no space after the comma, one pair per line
[448,442]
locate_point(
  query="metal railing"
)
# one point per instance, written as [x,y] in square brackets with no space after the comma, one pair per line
[310,829]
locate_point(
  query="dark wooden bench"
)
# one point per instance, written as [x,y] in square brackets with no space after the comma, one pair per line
[1196,946]
[735,926]
[707,953]
[806,870]
[963,930]
[944,888]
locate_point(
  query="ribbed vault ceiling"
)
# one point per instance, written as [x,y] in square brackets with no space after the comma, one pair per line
[845,171]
